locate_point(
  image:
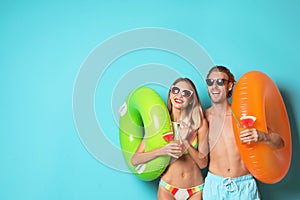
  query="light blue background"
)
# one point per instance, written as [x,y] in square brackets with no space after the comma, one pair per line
[43,44]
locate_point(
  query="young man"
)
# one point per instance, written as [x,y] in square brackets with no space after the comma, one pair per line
[228,177]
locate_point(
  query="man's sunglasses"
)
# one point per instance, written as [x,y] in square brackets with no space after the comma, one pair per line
[185,93]
[219,81]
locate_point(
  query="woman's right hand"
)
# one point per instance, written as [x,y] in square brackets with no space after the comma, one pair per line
[140,156]
[171,149]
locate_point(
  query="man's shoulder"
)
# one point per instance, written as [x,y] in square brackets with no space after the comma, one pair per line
[207,112]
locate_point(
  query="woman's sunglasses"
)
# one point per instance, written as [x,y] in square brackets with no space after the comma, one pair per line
[219,81]
[185,93]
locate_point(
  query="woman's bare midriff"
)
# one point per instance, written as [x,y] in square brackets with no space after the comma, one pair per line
[183,173]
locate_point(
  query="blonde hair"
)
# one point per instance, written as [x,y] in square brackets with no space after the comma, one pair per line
[194,110]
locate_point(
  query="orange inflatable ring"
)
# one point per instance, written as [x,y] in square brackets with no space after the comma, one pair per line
[257,95]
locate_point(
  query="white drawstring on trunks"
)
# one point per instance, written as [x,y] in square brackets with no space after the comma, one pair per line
[230,184]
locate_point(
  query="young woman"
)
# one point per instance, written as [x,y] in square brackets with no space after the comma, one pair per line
[183,178]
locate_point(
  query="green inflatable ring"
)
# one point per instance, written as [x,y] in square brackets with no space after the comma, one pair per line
[144,114]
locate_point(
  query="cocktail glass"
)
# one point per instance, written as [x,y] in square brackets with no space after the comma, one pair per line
[247,121]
